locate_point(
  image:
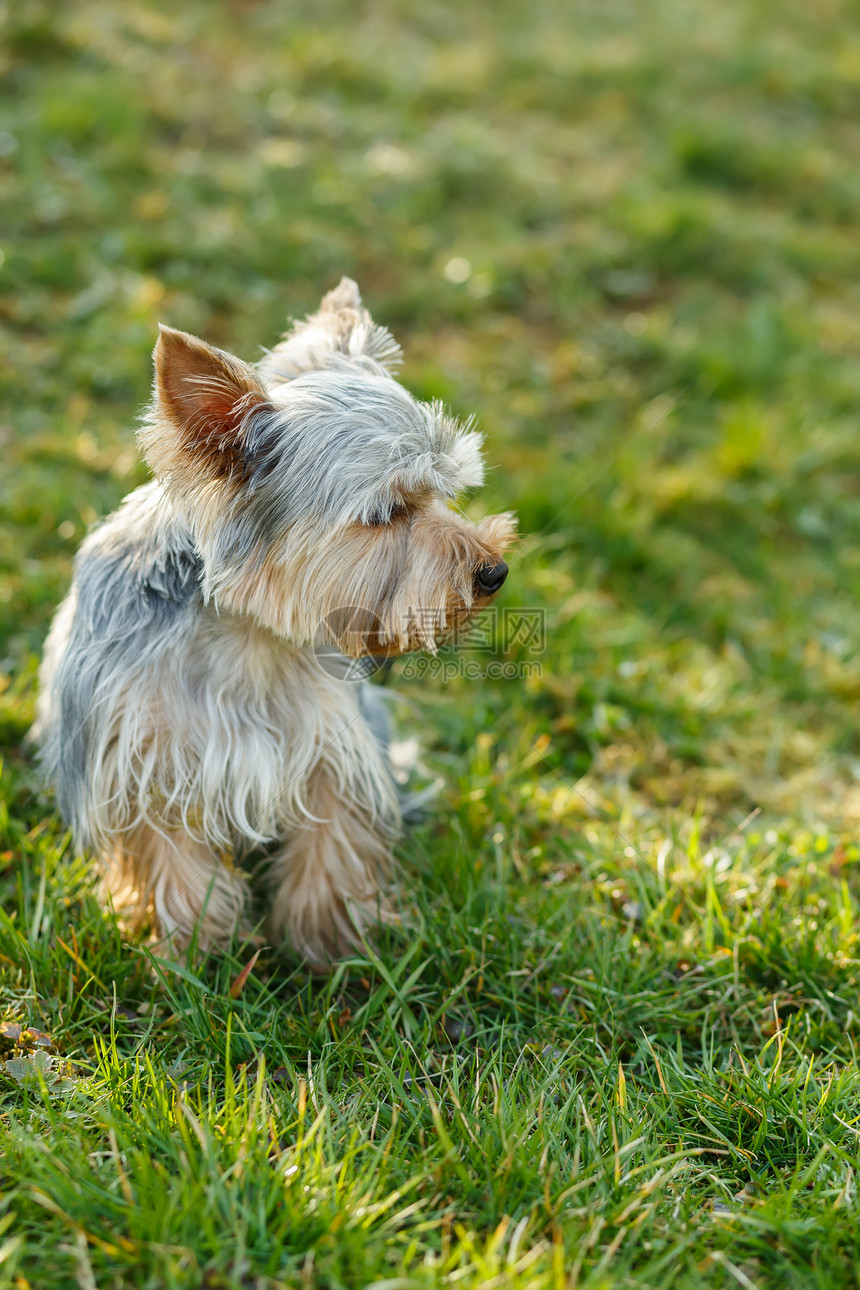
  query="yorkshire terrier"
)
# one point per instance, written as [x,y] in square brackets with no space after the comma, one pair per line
[190,714]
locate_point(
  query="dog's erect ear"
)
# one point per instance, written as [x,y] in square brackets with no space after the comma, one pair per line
[341,328]
[344,296]
[202,400]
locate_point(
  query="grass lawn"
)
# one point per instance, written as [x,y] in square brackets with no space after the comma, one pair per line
[613,1042]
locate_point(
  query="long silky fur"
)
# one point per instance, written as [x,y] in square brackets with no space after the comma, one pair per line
[184,716]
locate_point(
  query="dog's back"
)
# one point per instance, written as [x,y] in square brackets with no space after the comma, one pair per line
[137,583]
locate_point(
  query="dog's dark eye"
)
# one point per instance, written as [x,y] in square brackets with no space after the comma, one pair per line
[381,516]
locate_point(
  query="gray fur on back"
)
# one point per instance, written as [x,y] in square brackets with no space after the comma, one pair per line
[137,577]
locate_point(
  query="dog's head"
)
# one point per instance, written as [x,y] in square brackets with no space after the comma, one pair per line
[319,490]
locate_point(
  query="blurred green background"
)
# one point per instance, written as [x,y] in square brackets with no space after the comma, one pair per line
[569,215]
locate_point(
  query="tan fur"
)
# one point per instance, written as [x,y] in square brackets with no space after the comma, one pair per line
[172,880]
[326,883]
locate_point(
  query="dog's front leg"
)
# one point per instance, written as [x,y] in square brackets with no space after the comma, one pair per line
[327,879]
[180,884]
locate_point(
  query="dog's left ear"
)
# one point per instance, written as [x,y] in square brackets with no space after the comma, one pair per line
[202,400]
[340,328]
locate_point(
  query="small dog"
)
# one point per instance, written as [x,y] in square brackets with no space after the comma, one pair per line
[187,716]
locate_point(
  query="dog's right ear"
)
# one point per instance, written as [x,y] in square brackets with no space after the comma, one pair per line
[201,403]
[340,328]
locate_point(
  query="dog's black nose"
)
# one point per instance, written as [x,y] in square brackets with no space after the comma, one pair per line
[490,577]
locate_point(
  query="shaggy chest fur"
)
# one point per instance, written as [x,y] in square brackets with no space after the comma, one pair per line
[171,713]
